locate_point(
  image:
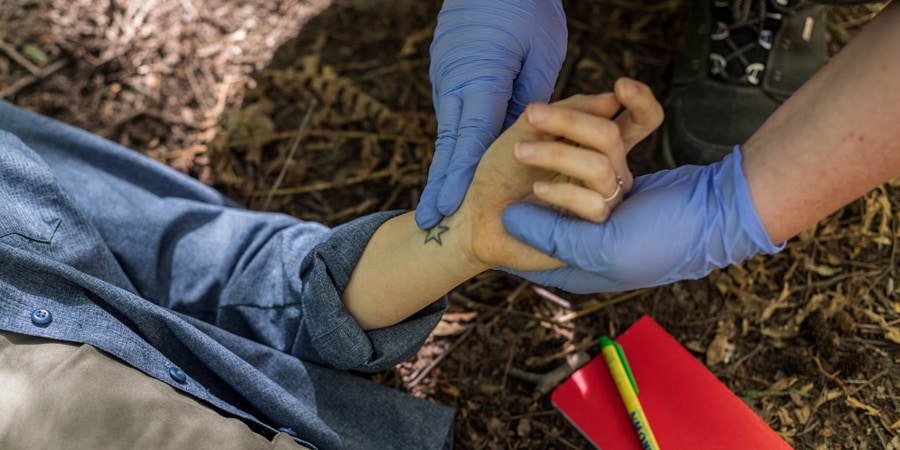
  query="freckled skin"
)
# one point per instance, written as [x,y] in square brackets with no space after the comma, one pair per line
[841,126]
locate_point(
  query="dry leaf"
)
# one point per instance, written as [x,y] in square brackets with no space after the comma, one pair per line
[721,350]
[785,417]
[524,428]
[695,346]
[450,390]
[827,396]
[803,414]
[825,271]
[860,405]
[893,334]
[894,444]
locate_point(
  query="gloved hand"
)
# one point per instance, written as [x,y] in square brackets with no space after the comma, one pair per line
[673,225]
[489,60]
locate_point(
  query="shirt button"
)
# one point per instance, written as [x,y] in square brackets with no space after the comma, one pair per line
[41,316]
[177,374]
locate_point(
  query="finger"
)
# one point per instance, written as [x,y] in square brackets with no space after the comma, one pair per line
[449,109]
[581,128]
[642,115]
[481,117]
[604,105]
[555,235]
[532,85]
[542,63]
[427,214]
[585,203]
[593,264]
[453,191]
[592,167]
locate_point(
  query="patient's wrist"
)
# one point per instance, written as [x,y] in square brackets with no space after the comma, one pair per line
[459,238]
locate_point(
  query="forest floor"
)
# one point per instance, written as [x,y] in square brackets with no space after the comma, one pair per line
[323,110]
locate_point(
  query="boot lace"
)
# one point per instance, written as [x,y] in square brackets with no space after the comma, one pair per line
[743,34]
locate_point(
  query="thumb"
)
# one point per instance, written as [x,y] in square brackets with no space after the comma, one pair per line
[530,224]
[427,214]
[642,115]
[554,234]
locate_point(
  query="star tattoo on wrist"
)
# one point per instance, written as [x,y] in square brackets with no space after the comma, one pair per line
[434,234]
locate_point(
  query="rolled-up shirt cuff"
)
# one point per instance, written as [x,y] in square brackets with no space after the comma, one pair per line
[337,339]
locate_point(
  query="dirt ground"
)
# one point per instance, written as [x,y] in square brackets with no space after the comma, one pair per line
[324,111]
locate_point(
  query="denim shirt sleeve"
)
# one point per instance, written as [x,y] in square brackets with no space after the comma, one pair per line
[309,320]
[121,253]
[264,276]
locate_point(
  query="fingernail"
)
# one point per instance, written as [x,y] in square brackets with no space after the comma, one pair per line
[628,87]
[537,112]
[523,150]
[541,187]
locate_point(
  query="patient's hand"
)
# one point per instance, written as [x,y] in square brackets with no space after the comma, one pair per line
[402,269]
[569,154]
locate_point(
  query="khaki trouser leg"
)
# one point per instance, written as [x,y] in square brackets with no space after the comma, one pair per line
[62,395]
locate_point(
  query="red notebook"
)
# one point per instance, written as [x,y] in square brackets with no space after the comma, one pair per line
[686,405]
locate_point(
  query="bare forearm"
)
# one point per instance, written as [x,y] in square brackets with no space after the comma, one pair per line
[403,269]
[835,139]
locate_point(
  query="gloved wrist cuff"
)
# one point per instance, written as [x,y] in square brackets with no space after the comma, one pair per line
[747,214]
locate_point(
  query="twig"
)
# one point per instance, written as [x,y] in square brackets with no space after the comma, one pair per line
[874,423]
[545,428]
[571,348]
[753,395]
[509,360]
[24,82]
[546,381]
[890,390]
[835,279]
[870,381]
[408,50]
[17,57]
[594,308]
[811,425]
[290,155]
[418,377]
[469,303]
[746,357]
[121,120]
[552,297]
[529,415]
[514,295]
[325,185]
[831,377]
[353,134]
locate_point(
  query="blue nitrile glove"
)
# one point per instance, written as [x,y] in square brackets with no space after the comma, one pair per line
[489,60]
[673,225]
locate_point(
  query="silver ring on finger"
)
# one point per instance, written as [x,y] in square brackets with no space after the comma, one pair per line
[619,183]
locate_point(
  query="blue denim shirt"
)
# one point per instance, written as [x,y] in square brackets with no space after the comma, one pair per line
[102,246]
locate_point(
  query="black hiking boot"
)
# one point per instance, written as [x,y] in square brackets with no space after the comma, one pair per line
[740,60]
